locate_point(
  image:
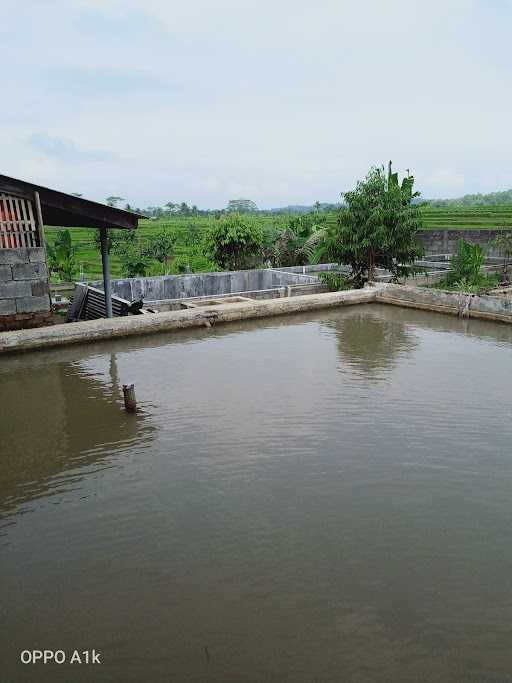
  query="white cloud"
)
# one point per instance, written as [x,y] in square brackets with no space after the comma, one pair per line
[445,179]
[288,100]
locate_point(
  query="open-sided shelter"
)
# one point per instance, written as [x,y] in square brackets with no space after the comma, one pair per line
[24,209]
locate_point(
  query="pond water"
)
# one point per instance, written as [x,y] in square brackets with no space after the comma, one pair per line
[320,497]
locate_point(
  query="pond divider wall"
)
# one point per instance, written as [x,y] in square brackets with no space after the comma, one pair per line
[193,285]
[497,308]
[108,328]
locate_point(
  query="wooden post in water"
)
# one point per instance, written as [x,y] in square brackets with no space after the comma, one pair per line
[130,402]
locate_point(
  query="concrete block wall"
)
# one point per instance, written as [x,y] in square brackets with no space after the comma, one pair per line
[24,290]
[446,241]
[204,284]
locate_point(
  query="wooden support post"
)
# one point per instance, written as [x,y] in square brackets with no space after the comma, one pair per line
[130,402]
[40,238]
[39,221]
[106,271]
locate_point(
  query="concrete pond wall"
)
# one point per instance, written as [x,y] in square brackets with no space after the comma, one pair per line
[172,287]
[497,308]
[24,291]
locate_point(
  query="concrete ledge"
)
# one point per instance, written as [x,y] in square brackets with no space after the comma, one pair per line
[485,307]
[95,330]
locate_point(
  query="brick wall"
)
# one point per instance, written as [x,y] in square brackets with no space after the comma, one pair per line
[24,290]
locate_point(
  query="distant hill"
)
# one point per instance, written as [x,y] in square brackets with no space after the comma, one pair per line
[492,199]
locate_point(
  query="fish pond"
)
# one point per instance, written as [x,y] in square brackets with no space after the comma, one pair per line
[317,497]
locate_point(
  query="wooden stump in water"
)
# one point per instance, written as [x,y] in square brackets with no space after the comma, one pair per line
[130,402]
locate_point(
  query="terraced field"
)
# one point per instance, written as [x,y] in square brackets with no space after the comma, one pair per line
[467,218]
[459,218]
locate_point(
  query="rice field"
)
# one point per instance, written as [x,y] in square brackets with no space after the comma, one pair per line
[452,218]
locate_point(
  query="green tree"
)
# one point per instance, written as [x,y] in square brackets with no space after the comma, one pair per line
[114,200]
[376,228]
[294,246]
[61,256]
[133,261]
[233,242]
[161,247]
[241,206]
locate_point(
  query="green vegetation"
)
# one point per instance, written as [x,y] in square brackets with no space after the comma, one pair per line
[376,229]
[61,256]
[295,244]
[466,271]
[241,206]
[287,238]
[492,199]
[234,242]
[469,218]
[336,282]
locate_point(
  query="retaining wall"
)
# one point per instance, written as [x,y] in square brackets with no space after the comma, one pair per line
[24,291]
[446,241]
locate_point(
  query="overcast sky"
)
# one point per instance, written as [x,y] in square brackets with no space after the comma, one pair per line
[280,101]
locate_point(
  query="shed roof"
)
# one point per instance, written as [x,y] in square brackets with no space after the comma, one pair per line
[66,210]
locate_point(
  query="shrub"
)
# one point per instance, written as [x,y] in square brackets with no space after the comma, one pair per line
[234,242]
[336,282]
[467,263]
[61,256]
[293,245]
[160,247]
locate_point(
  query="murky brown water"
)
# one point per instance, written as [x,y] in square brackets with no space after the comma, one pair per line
[313,498]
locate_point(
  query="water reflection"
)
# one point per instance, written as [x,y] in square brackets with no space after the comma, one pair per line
[371,344]
[283,517]
[57,417]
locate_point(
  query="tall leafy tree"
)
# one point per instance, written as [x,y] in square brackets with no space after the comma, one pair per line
[113,200]
[376,228]
[233,242]
[161,247]
[241,206]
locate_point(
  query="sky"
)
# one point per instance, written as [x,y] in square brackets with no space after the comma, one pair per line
[279,101]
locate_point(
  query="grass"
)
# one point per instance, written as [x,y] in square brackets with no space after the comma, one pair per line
[453,218]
